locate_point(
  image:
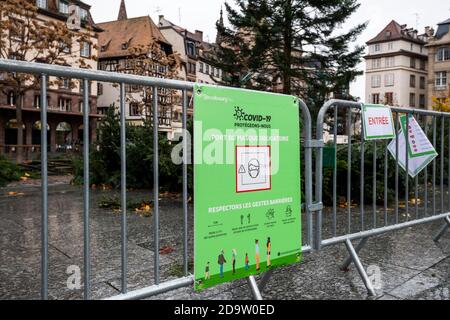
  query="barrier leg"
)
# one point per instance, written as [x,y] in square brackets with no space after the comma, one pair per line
[254,288]
[345,266]
[360,267]
[443,231]
[264,279]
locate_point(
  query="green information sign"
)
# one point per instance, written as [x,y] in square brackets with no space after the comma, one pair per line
[246,183]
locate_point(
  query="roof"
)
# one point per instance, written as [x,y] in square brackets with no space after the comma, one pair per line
[443,29]
[394,31]
[134,31]
[197,36]
[445,22]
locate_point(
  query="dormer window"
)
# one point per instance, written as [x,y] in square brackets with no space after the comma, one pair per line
[125,46]
[83,15]
[41,4]
[63,7]
[104,47]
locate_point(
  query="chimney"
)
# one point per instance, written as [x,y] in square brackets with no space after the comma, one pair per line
[199,34]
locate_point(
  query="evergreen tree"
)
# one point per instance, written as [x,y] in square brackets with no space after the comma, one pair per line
[290,46]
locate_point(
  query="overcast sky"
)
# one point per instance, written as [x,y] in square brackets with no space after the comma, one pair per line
[202,15]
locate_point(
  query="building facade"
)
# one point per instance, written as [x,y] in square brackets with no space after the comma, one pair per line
[397,67]
[65,96]
[136,46]
[196,54]
[439,63]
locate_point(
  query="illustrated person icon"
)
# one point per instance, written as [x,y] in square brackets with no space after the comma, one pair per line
[257,254]
[268,247]
[207,276]
[221,260]
[234,254]
[242,219]
[248,217]
[246,262]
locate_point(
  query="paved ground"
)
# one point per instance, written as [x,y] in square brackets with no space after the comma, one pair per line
[412,266]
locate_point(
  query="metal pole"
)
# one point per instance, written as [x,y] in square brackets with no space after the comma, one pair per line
[448,180]
[349,172]
[186,152]
[374,184]
[335,170]
[86,184]
[345,266]
[360,267]
[156,182]
[362,176]
[44,186]
[442,162]
[426,176]
[123,188]
[407,167]
[434,166]
[254,288]
[443,230]
[386,184]
[308,176]
[396,167]
[264,279]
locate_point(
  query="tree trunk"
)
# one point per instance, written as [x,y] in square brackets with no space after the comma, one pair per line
[19,154]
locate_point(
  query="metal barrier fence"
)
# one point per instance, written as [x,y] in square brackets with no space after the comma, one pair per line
[45,71]
[343,228]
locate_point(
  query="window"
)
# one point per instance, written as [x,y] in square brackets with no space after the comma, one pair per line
[412,47]
[64,7]
[422,64]
[207,69]
[83,15]
[412,63]
[388,34]
[17,29]
[389,98]
[41,4]
[85,50]
[376,63]
[64,83]
[391,46]
[201,67]
[422,101]
[134,110]
[217,72]
[213,70]
[64,47]
[412,81]
[99,89]
[441,79]
[376,81]
[64,104]
[443,54]
[191,68]
[422,82]
[376,98]
[390,62]
[37,101]
[377,47]
[11,98]
[389,80]
[190,48]
[412,99]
